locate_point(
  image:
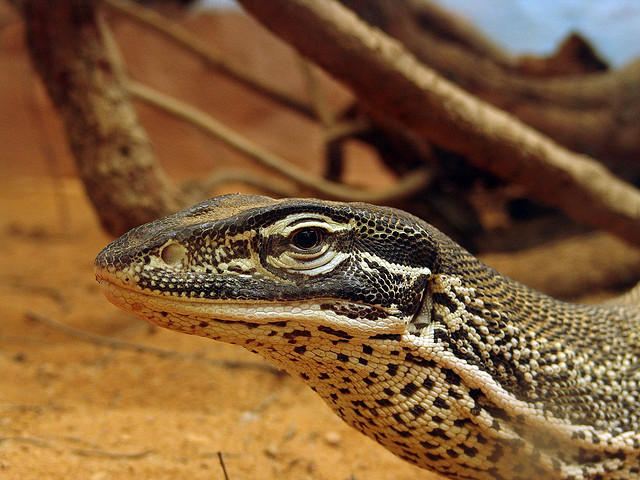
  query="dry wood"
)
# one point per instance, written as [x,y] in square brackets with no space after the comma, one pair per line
[84,452]
[406,186]
[386,77]
[207,54]
[610,263]
[85,77]
[595,114]
[423,15]
[113,154]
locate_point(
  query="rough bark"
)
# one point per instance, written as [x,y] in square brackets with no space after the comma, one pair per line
[113,154]
[609,262]
[386,77]
[596,114]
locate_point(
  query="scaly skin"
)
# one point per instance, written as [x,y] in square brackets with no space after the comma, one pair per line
[408,337]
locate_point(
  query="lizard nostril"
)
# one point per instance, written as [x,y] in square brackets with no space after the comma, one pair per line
[172,253]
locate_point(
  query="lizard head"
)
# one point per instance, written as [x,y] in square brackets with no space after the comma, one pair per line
[250,259]
[404,334]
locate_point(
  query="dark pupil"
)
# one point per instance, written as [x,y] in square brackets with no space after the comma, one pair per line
[306,238]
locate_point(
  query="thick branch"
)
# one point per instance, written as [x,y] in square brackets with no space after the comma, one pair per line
[113,155]
[611,265]
[596,114]
[389,79]
[394,17]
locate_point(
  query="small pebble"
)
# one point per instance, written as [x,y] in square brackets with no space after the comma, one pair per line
[333,438]
[271,451]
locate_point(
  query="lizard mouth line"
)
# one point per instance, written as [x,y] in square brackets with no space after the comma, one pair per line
[312,312]
[122,295]
[125,296]
[110,285]
[154,307]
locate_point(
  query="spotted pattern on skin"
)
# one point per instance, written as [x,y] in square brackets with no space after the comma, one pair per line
[405,335]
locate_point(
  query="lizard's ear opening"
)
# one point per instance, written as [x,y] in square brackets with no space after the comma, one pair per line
[173,253]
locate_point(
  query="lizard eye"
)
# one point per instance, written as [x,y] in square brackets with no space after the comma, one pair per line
[305,247]
[307,238]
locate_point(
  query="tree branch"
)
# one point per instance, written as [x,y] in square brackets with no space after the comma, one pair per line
[207,55]
[390,80]
[406,186]
[596,113]
[113,155]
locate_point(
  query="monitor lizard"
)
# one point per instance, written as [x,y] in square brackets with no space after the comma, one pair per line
[407,336]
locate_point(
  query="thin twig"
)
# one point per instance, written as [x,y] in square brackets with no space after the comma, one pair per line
[266,403]
[318,109]
[34,440]
[115,455]
[115,56]
[205,186]
[404,187]
[78,451]
[317,95]
[45,290]
[348,128]
[124,345]
[224,468]
[73,439]
[206,54]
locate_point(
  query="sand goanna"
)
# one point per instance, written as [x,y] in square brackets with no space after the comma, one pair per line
[408,337]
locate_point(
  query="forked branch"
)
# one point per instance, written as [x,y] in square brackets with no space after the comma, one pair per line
[404,187]
[386,77]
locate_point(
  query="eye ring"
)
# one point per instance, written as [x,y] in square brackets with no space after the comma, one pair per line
[307,238]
